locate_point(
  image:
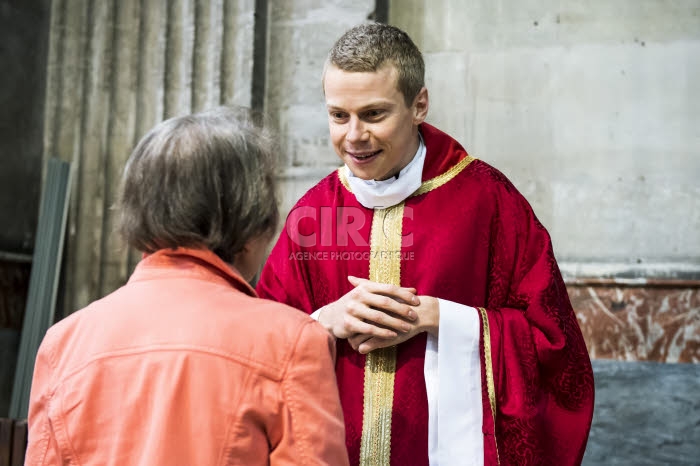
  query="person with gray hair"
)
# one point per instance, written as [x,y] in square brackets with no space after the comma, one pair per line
[457,343]
[185,364]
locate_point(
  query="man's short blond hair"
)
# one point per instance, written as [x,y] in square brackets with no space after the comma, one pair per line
[368,47]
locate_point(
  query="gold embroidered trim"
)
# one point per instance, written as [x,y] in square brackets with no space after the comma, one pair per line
[489,372]
[439,180]
[426,186]
[343,177]
[385,245]
[380,367]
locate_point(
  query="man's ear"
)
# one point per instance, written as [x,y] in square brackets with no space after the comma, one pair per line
[420,106]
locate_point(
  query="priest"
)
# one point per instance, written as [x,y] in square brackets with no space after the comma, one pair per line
[456,340]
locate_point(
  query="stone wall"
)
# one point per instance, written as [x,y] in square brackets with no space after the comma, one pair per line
[589,107]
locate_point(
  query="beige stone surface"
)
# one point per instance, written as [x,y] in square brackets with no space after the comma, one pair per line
[588,107]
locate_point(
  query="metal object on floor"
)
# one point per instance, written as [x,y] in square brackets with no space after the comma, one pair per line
[43,280]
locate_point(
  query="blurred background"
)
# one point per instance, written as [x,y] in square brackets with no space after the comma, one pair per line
[591,108]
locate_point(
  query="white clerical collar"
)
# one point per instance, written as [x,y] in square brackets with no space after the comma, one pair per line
[380,194]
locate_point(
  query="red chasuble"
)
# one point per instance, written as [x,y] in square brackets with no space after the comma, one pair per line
[468,236]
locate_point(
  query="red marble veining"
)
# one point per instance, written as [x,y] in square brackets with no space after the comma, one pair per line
[638,323]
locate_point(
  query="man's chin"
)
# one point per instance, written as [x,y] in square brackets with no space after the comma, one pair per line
[361,173]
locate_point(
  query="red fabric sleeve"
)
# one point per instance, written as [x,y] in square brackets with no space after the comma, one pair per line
[542,371]
[284,279]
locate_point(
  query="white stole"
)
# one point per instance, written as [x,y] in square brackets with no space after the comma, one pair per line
[453,384]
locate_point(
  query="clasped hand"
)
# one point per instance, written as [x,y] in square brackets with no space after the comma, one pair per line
[376,315]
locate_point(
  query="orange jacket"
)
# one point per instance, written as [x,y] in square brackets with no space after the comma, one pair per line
[184,365]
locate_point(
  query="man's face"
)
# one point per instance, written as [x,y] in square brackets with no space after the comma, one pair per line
[371,128]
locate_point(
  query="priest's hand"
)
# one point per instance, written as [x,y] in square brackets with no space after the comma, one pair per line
[428,320]
[372,309]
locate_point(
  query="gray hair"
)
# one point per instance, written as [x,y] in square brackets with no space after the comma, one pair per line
[368,47]
[201,180]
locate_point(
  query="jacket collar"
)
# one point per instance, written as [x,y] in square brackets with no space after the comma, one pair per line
[190,263]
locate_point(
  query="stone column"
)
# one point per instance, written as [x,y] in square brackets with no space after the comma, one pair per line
[116,68]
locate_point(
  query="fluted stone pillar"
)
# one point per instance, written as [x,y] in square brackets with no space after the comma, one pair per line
[116,68]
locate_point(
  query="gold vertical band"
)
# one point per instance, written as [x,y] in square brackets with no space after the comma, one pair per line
[490,386]
[385,245]
[375,447]
[380,367]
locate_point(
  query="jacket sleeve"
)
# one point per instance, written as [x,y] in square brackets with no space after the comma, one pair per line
[541,368]
[41,447]
[312,429]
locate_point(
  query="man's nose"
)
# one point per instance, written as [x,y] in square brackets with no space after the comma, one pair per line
[356,130]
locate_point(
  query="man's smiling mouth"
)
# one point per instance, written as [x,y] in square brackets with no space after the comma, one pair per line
[363,155]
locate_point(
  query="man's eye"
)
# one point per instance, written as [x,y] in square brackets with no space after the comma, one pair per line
[337,115]
[374,113]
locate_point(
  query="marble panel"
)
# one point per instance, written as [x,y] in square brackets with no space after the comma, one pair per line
[639,323]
